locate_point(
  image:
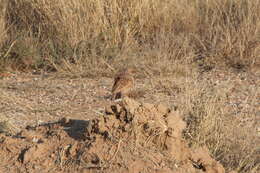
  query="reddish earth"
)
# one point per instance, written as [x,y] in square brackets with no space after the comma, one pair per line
[128,137]
[133,136]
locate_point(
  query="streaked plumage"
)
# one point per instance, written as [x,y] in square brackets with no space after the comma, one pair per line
[123,83]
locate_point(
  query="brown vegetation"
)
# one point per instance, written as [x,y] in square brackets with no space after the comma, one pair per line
[186,52]
[65,34]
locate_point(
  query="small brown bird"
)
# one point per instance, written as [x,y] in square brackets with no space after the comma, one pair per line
[123,83]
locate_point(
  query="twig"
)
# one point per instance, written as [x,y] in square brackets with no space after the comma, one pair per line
[100,113]
[9,49]
[109,66]
[118,146]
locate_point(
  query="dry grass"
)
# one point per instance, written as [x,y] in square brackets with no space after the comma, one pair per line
[229,134]
[68,34]
[162,38]
[220,113]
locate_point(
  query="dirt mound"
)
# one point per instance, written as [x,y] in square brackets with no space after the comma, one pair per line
[130,137]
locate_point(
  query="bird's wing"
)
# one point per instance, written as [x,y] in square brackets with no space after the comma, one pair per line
[121,83]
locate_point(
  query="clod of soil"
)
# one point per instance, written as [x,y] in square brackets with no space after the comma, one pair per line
[130,137]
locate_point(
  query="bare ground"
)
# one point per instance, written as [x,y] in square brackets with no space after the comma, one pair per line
[130,137]
[27,99]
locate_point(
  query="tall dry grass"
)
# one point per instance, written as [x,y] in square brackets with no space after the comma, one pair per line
[213,118]
[80,33]
[231,137]
[95,36]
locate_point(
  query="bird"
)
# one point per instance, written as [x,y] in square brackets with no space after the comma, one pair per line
[123,83]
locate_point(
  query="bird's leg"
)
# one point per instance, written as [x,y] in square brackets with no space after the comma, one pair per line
[118,97]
